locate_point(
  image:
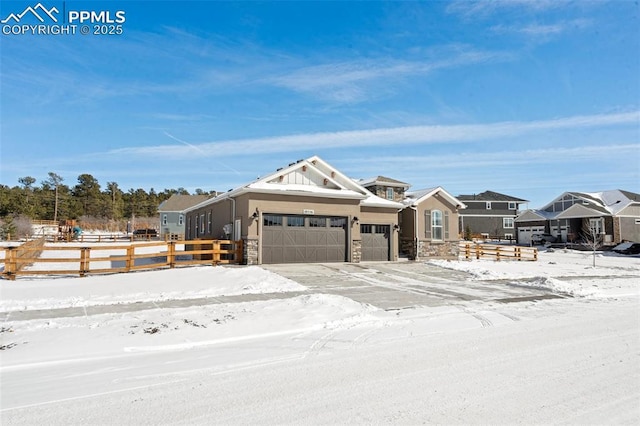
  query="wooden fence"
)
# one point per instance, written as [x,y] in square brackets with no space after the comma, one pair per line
[118,258]
[23,255]
[470,251]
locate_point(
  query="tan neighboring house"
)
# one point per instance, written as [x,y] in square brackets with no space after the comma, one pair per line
[306,212]
[429,224]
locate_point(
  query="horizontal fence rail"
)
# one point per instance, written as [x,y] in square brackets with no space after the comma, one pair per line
[470,251]
[82,260]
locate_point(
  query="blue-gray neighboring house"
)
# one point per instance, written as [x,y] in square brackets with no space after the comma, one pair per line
[172,217]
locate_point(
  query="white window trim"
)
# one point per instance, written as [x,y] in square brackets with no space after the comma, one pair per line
[513,205]
[389,191]
[507,226]
[434,227]
[488,205]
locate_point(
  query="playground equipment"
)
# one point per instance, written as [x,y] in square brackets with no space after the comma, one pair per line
[68,230]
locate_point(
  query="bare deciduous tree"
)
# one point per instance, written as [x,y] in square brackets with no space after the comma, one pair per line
[592,237]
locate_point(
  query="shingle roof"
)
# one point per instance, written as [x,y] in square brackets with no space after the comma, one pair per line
[382,180]
[178,202]
[490,196]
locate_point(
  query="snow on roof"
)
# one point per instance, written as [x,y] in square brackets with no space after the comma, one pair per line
[416,197]
[311,177]
[383,180]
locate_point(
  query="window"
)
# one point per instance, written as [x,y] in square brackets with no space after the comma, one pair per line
[366,229]
[508,236]
[164,219]
[389,193]
[297,221]
[637,221]
[202,223]
[513,205]
[436,225]
[271,220]
[507,222]
[317,222]
[488,205]
[383,229]
[338,222]
[595,225]
[181,220]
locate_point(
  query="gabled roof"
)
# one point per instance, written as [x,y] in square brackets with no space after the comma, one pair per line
[605,203]
[179,202]
[413,198]
[534,215]
[596,204]
[491,196]
[312,177]
[383,181]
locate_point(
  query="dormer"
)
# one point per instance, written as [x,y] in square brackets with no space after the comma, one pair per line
[387,188]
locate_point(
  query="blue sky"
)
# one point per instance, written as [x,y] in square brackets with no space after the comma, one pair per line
[530,99]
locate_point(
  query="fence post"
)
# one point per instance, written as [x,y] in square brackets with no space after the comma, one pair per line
[498,254]
[10,268]
[467,251]
[478,251]
[130,260]
[215,252]
[535,254]
[171,254]
[239,252]
[85,254]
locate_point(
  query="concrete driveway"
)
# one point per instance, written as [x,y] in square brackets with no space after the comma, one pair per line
[401,285]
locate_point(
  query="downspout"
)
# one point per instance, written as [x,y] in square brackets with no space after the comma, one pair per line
[415,231]
[233,217]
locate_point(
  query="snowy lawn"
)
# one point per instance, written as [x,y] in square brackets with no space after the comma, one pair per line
[324,359]
[565,271]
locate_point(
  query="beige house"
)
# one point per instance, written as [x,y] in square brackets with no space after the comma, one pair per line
[306,212]
[429,224]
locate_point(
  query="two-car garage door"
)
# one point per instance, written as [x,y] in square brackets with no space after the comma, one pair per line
[303,239]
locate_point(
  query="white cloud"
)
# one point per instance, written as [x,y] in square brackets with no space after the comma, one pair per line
[384,136]
[349,81]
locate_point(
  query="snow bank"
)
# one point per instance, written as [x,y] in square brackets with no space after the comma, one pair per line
[565,271]
[180,283]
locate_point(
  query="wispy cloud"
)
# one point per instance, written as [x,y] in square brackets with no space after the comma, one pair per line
[462,133]
[351,81]
[542,30]
[480,8]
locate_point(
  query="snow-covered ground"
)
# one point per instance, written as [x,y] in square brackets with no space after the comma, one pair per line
[315,358]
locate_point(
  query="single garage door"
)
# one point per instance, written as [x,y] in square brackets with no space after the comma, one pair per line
[303,239]
[524,234]
[375,242]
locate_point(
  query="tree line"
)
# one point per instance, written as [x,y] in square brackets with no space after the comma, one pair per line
[52,199]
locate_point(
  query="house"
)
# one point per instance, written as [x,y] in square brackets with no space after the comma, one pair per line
[489,215]
[429,224]
[172,213]
[306,212]
[614,214]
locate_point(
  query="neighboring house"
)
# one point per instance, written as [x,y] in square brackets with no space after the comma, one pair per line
[387,188]
[429,224]
[306,212]
[613,214]
[172,217]
[490,215]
